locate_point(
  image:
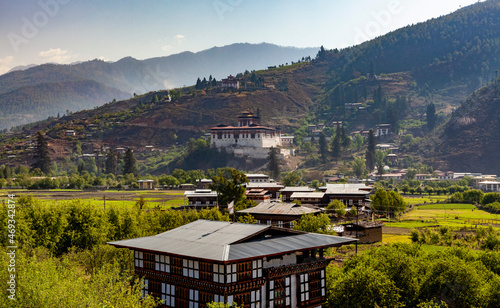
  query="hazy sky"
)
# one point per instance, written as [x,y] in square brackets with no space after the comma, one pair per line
[65,31]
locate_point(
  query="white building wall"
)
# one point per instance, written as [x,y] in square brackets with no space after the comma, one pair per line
[293,293]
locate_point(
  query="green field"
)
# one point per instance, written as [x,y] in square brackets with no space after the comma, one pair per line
[421,199]
[117,199]
[455,215]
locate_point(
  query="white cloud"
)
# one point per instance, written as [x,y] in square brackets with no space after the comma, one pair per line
[179,37]
[57,55]
[166,47]
[6,64]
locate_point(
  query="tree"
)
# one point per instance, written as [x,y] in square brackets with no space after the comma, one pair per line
[314,223]
[358,142]
[431,116]
[111,162]
[129,163]
[358,166]
[273,163]
[370,151]
[42,156]
[338,207]
[379,161]
[291,179]
[323,147]
[336,144]
[228,183]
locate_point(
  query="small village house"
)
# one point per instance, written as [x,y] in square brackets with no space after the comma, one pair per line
[256,266]
[146,184]
[283,215]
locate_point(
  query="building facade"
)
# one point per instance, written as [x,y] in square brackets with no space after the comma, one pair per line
[249,138]
[252,265]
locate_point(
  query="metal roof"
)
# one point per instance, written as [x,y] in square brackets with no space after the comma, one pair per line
[298,189]
[351,189]
[307,195]
[263,185]
[224,241]
[276,208]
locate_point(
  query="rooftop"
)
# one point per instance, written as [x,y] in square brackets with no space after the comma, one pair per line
[297,189]
[226,241]
[277,208]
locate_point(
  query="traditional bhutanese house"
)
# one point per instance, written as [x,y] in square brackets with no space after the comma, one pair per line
[70,132]
[273,189]
[348,194]
[146,184]
[383,130]
[187,186]
[393,158]
[483,178]
[257,178]
[252,265]
[314,198]
[489,186]
[286,193]
[230,82]
[201,198]
[364,231]
[283,215]
[258,195]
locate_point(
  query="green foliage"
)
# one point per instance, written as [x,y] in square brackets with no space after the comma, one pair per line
[370,151]
[389,202]
[229,186]
[315,223]
[338,207]
[405,275]
[273,163]
[247,219]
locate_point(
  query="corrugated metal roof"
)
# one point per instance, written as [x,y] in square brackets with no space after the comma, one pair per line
[351,189]
[307,195]
[212,240]
[263,185]
[276,208]
[298,189]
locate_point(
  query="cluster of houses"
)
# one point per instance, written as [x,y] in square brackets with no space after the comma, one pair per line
[484,182]
[267,264]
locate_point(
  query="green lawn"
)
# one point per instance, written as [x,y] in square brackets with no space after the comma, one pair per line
[452,215]
[420,199]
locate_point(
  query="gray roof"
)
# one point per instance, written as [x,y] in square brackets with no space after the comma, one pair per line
[276,208]
[226,241]
[263,185]
[351,189]
[297,189]
[307,195]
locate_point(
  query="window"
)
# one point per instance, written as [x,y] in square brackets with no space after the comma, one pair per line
[218,273]
[162,263]
[255,299]
[145,290]
[256,268]
[269,222]
[279,293]
[168,294]
[244,271]
[193,298]
[280,223]
[350,202]
[317,284]
[139,258]
[231,273]
[304,287]
[190,268]
[292,223]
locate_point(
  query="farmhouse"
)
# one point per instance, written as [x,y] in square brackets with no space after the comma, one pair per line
[230,82]
[348,194]
[286,193]
[279,214]
[252,265]
[201,198]
[146,184]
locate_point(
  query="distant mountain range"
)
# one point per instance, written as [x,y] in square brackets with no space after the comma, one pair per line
[27,93]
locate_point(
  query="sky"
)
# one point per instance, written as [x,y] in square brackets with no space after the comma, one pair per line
[67,31]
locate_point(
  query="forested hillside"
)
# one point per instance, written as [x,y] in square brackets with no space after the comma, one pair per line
[470,140]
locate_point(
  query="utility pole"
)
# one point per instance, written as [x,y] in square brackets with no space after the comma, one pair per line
[357,214]
[104,198]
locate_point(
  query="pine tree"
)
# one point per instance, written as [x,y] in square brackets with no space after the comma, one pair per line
[42,156]
[111,162]
[129,163]
[336,146]
[323,147]
[273,164]
[370,151]
[431,116]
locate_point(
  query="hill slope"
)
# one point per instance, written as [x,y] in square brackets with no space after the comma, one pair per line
[470,140]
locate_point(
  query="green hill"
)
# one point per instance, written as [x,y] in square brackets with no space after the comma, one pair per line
[470,139]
